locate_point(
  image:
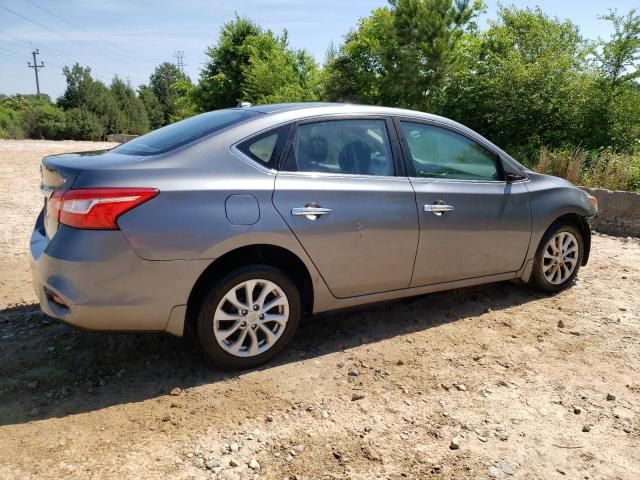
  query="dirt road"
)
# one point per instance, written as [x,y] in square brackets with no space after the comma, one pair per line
[491,382]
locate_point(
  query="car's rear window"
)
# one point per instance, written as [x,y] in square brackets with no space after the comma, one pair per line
[183,132]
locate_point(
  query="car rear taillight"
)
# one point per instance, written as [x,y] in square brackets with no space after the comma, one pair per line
[96,208]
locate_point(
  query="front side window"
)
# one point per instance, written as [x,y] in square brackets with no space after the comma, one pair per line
[355,147]
[440,153]
[180,133]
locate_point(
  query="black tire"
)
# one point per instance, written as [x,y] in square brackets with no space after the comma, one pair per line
[205,328]
[538,278]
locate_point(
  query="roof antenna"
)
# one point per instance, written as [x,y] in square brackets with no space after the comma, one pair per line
[244,104]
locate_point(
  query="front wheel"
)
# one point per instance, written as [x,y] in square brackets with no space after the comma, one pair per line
[249,317]
[558,258]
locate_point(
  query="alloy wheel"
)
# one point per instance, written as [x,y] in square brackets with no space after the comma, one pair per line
[560,258]
[251,318]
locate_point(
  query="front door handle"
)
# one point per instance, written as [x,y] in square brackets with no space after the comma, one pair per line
[438,208]
[312,213]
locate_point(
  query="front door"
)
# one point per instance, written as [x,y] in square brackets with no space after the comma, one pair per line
[340,196]
[472,222]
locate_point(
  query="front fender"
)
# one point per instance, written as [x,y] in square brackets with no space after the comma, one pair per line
[551,199]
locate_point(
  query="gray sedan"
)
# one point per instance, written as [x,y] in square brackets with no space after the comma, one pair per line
[233,224]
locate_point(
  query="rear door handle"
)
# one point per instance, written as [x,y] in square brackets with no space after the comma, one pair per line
[438,208]
[312,213]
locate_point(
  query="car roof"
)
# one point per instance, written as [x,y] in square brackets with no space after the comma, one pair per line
[283,107]
[308,109]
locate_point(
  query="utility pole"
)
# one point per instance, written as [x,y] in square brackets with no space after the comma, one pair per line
[179,54]
[36,67]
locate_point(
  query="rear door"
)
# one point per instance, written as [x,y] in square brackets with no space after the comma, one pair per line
[343,193]
[473,222]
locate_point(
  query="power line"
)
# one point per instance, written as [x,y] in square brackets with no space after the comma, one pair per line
[135,54]
[19,38]
[77,42]
[36,67]
[20,59]
[69,60]
[7,52]
[62,55]
[7,56]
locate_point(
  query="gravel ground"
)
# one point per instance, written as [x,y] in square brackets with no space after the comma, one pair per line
[489,382]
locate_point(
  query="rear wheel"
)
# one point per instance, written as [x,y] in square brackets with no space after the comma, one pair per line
[558,258]
[249,317]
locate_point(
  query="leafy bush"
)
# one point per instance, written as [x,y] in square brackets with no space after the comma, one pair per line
[9,124]
[42,119]
[30,116]
[81,124]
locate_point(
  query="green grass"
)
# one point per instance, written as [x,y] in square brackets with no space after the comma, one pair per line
[596,169]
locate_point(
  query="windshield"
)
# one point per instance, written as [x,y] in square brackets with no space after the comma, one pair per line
[180,133]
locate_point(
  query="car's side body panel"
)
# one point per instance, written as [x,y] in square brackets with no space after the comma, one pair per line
[214,200]
[487,233]
[367,244]
[486,230]
[552,198]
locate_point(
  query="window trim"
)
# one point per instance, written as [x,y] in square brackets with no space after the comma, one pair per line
[273,164]
[394,146]
[408,159]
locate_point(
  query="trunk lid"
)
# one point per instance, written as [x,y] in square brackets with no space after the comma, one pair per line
[59,172]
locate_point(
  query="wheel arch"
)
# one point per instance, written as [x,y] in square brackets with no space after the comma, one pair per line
[264,254]
[578,219]
[582,223]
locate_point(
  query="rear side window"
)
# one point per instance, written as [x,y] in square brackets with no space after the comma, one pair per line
[180,133]
[355,147]
[441,153]
[267,147]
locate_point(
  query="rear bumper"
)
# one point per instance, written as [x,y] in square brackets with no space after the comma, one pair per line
[105,286]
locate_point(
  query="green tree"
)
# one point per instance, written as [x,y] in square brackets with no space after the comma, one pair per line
[524,83]
[152,106]
[362,70]
[616,112]
[81,124]
[116,109]
[132,116]
[251,64]
[186,105]
[402,55]
[619,57]
[83,92]
[274,73]
[222,77]
[79,86]
[162,83]
[428,33]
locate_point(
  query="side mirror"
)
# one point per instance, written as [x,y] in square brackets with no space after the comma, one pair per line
[515,177]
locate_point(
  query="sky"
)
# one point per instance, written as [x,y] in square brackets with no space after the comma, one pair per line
[129,38]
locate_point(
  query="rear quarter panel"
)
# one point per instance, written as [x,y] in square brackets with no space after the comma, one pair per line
[188,219]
